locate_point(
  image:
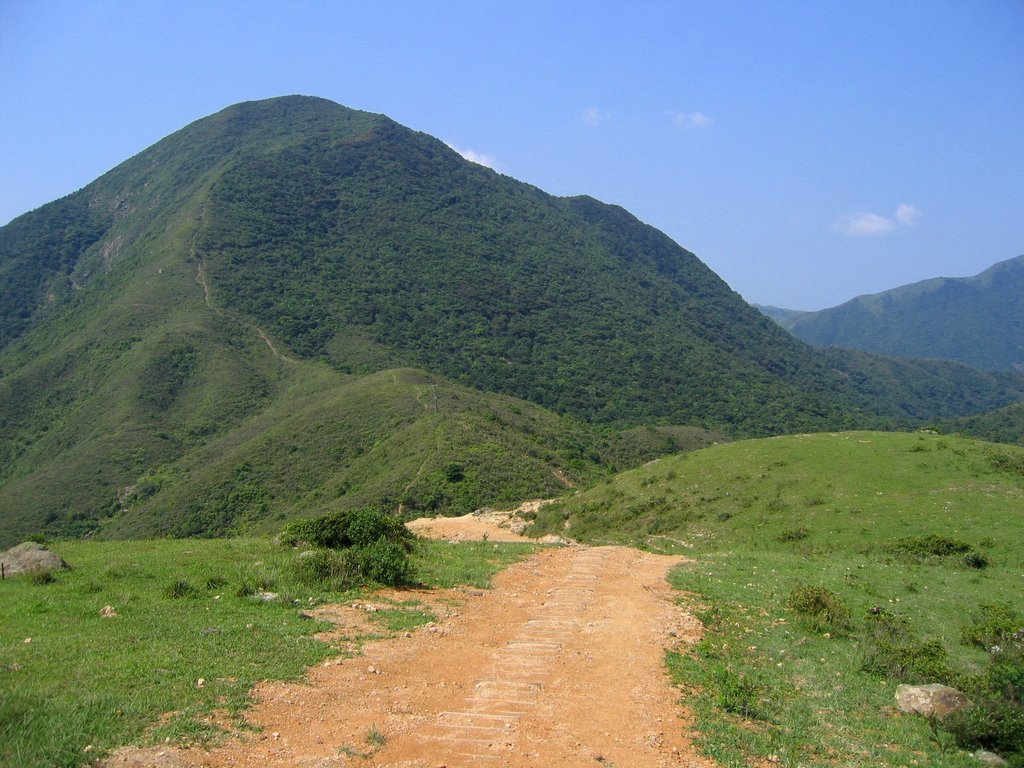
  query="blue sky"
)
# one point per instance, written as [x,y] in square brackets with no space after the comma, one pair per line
[807,152]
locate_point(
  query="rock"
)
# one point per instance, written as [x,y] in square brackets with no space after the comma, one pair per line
[266,597]
[108,612]
[928,700]
[31,557]
[989,758]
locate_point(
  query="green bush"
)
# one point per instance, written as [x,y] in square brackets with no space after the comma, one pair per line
[994,724]
[932,545]
[996,721]
[975,559]
[42,577]
[383,561]
[346,528]
[325,568]
[892,648]
[992,624]
[823,610]
[354,546]
[793,534]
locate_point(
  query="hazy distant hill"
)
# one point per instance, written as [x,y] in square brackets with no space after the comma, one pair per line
[974,320]
[291,305]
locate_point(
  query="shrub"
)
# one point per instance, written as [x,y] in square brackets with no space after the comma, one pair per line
[324,567]
[994,724]
[42,577]
[354,546]
[932,545]
[346,528]
[820,607]
[975,559]
[992,624]
[893,649]
[936,547]
[793,534]
[1005,677]
[385,562]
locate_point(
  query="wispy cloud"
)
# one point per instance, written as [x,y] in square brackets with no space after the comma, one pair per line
[867,224]
[907,214]
[595,116]
[691,120]
[476,157]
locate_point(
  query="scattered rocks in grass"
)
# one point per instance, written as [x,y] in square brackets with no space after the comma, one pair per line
[928,700]
[989,758]
[31,557]
[143,757]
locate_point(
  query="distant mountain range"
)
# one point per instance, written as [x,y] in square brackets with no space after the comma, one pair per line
[290,306]
[978,321]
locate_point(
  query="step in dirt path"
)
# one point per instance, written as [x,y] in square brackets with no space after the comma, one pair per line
[559,664]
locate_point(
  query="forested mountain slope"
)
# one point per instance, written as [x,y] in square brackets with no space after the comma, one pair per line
[165,329]
[977,320]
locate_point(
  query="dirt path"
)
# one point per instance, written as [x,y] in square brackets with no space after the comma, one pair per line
[559,664]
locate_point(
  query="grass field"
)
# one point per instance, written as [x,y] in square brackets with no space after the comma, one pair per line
[73,680]
[852,518]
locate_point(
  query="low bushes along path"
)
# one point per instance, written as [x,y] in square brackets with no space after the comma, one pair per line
[559,664]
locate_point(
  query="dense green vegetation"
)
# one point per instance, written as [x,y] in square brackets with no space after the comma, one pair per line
[1005,425]
[976,320]
[400,438]
[290,307]
[829,568]
[186,611]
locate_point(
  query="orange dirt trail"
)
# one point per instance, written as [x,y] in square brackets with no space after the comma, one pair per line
[559,664]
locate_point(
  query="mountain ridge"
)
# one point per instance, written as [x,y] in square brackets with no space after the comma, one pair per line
[177,305]
[975,320]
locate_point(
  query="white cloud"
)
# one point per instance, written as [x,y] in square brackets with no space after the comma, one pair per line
[476,157]
[694,119]
[866,224]
[594,116]
[907,214]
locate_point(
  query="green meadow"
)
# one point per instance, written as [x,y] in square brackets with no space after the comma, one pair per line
[828,569]
[74,683]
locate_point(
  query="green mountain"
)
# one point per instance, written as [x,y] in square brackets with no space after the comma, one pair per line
[291,305]
[977,320]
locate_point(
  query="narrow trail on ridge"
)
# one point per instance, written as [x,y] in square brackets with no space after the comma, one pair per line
[560,663]
[201,279]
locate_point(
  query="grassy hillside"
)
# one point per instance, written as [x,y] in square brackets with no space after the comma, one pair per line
[402,439]
[977,320]
[909,545]
[1005,425]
